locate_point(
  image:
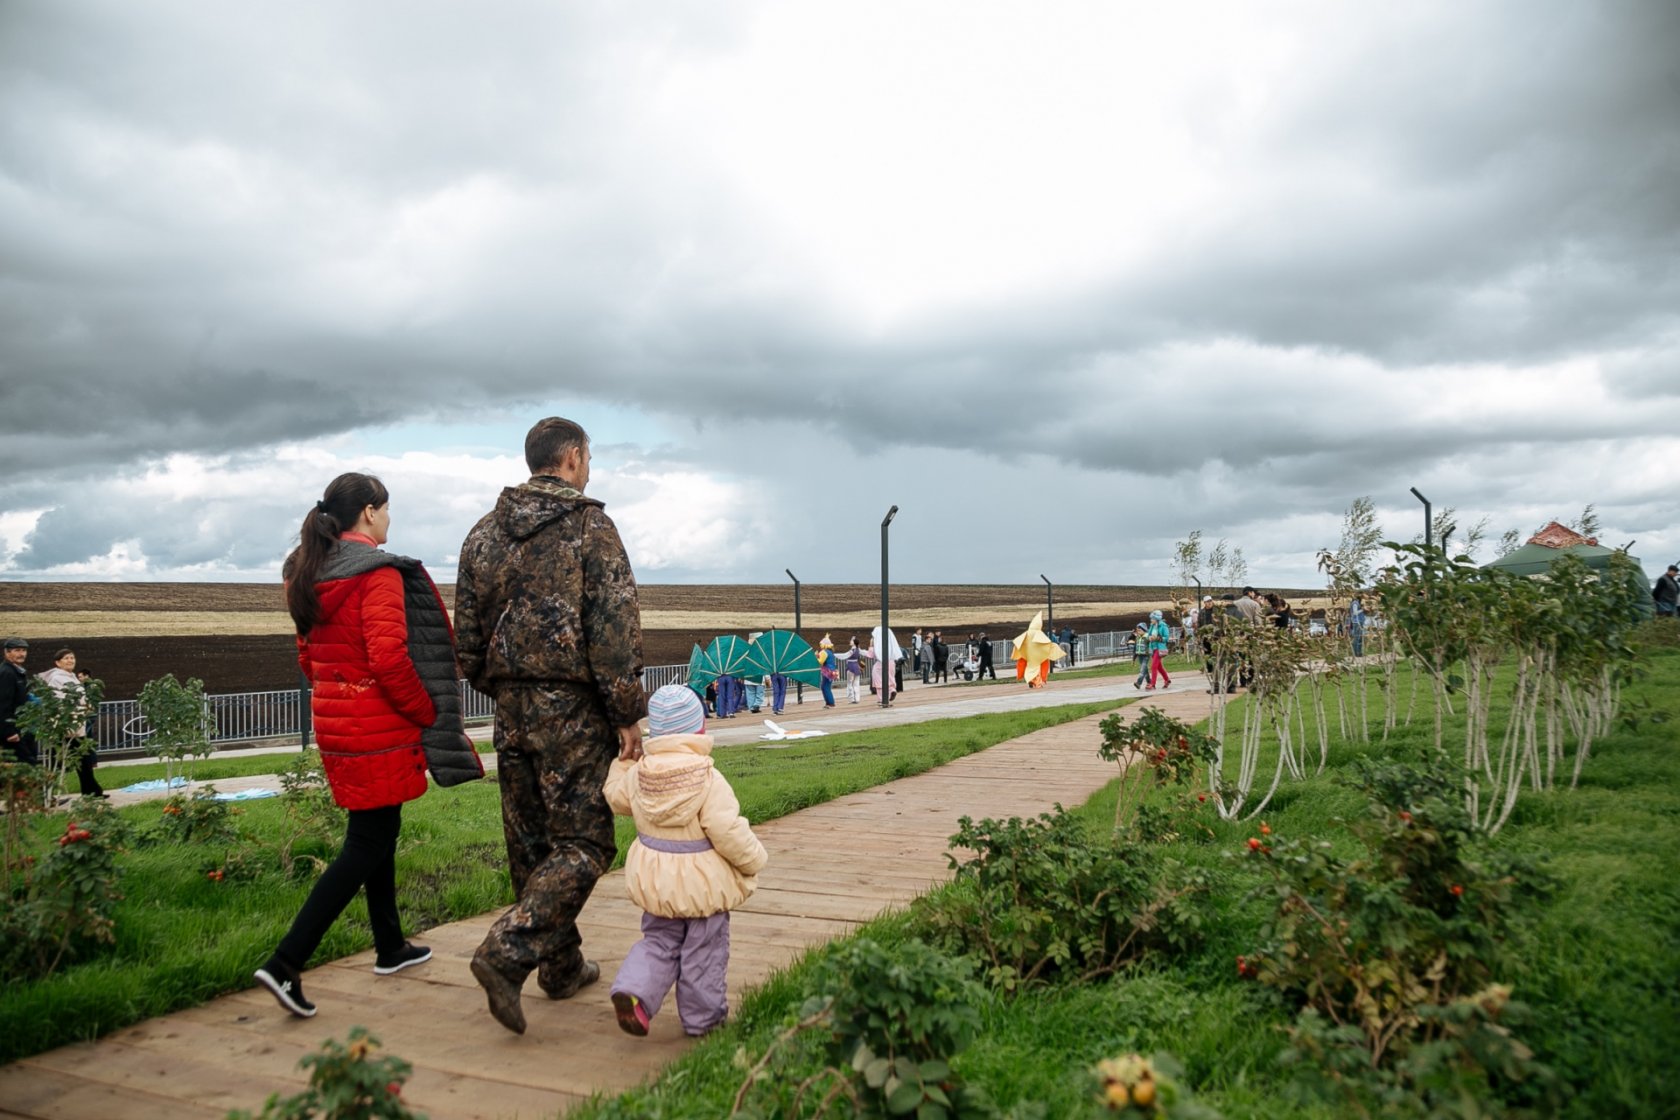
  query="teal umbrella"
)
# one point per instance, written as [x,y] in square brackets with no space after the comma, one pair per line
[729,654]
[700,671]
[784,652]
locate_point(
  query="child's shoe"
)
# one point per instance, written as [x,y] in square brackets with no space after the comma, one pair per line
[632,1016]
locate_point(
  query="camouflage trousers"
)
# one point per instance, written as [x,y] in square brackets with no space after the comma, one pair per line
[553,748]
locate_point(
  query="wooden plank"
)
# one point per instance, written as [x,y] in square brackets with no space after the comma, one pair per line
[41,1093]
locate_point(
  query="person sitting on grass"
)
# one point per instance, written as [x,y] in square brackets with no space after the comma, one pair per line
[694,859]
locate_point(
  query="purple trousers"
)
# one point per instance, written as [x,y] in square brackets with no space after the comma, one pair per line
[693,954]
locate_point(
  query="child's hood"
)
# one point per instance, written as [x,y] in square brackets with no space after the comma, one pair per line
[672,779]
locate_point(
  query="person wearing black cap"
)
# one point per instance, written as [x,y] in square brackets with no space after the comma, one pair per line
[1667,591]
[14,694]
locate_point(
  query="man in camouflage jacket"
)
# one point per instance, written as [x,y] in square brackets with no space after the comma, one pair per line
[547,623]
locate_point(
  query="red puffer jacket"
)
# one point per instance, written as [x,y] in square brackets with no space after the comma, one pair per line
[369,704]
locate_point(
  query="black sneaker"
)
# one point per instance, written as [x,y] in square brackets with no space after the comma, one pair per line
[283,980]
[409,954]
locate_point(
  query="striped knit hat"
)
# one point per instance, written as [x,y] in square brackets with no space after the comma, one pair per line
[675,710]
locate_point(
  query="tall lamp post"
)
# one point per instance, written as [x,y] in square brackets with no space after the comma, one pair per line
[1428,518]
[798,686]
[883,651]
[1049,604]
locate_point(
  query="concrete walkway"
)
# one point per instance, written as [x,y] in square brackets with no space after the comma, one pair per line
[916,704]
[831,868]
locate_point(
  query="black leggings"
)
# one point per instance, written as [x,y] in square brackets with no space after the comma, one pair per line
[368,859]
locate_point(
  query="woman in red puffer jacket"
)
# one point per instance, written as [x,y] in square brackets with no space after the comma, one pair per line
[376,644]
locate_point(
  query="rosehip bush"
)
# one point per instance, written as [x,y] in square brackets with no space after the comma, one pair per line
[1142,1088]
[61,904]
[1044,898]
[1379,952]
[890,1020]
[196,819]
[346,1082]
[1153,751]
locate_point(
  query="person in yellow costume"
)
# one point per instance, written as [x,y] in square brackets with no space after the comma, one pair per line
[1033,653]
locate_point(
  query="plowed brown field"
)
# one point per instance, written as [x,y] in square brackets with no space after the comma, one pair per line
[236,637]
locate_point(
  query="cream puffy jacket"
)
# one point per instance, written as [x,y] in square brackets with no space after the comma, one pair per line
[674,793]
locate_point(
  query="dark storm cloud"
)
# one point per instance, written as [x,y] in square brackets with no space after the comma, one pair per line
[225,228]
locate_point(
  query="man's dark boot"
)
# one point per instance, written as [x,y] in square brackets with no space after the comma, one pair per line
[566,989]
[502,991]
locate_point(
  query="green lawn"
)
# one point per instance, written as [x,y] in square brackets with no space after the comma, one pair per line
[1599,967]
[182,939]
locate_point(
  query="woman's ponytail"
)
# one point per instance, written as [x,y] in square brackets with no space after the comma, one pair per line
[338,510]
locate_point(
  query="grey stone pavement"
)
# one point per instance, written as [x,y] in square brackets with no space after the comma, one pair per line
[918,703]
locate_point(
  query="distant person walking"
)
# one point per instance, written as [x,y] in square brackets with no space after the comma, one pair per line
[1140,653]
[374,640]
[852,664]
[1666,594]
[550,625]
[694,859]
[941,658]
[985,658]
[1356,625]
[828,669]
[1159,636]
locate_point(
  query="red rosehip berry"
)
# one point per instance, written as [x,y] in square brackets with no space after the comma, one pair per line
[1201,797]
[1405,816]
[1457,890]
[1265,829]
[1254,843]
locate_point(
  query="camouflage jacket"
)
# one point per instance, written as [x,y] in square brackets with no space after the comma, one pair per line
[545,595]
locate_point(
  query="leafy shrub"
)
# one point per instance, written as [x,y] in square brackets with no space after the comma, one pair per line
[890,1019]
[1657,634]
[312,816]
[1153,751]
[58,723]
[345,1083]
[62,903]
[197,819]
[1044,898]
[1390,956]
[177,721]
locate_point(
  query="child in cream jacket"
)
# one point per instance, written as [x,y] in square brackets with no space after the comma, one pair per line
[693,860]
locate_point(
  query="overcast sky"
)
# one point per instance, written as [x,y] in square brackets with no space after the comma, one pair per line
[1063,281]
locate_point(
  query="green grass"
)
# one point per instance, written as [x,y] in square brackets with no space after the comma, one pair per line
[115,775]
[1598,964]
[182,939]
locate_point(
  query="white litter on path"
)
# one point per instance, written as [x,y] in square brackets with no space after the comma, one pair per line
[780,734]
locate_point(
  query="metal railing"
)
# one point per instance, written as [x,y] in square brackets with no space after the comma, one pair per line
[253,717]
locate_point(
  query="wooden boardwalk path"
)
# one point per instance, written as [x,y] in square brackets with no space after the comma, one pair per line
[832,868]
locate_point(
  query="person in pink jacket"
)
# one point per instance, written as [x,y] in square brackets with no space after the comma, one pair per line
[694,859]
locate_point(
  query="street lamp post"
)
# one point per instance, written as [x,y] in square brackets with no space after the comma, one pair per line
[1428,518]
[1049,605]
[798,686]
[883,649]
